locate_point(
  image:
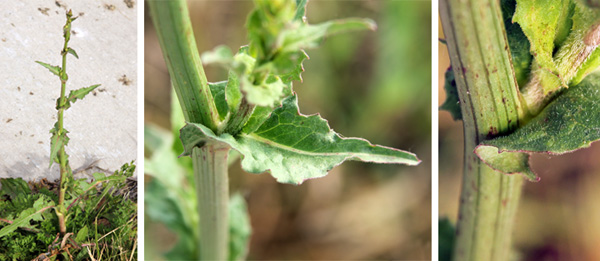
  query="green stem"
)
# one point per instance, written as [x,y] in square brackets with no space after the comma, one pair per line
[491,105]
[174,28]
[210,167]
[62,155]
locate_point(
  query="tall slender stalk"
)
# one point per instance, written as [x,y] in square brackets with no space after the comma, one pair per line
[65,169]
[491,105]
[174,29]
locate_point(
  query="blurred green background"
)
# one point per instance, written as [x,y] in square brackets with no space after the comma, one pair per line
[558,218]
[374,85]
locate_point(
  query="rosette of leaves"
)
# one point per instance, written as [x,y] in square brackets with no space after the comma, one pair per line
[258,108]
[555,55]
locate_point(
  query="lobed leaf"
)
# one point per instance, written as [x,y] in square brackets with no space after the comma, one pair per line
[53,69]
[31,214]
[294,147]
[569,123]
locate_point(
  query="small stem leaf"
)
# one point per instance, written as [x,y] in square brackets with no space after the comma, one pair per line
[233,94]
[568,123]
[53,69]
[34,213]
[294,147]
[218,91]
[300,10]
[221,55]
[452,103]
[310,36]
[57,141]
[71,51]
[267,94]
[80,93]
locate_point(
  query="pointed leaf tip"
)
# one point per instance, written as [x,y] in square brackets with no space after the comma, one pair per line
[53,69]
[295,147]
[71,51]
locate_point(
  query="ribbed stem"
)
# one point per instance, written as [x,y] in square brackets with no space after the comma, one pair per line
[210,168]
[490,105]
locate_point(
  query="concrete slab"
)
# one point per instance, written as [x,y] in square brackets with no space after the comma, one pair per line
[102,126]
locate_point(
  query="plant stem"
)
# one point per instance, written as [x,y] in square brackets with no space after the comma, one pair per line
[491,105]
[174,28]
[175,34]
[212,188]
[62,155]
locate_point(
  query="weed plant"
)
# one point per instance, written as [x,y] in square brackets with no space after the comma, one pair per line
[90,220]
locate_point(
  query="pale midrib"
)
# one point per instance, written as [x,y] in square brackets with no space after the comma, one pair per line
[308,153]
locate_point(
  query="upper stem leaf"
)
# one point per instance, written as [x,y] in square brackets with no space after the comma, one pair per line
[294,147]
[53,69]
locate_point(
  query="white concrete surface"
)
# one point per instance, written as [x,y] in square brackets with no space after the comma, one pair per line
[103,126]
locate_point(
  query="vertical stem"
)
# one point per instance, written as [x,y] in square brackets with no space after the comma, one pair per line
[174,28]
[210,167]
[490,105]
[62,155]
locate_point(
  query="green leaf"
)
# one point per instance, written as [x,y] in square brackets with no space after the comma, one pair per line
[259,116]
[300,10]
[568,123]
[31,214]
[14,187]
[218,92]
[239,228]
[447,238]
[220,55]
[310,36]
[539,21]
[71,51]
[518,43]
[452,102]
[294,147]
[267,94]
[53,69]
[80,93]
[233,95]
[57,141]
[82,234]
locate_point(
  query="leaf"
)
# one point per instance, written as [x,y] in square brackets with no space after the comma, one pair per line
[71,51]
[294,147]
[233,95]
[310,36]
[446,239]
[14,187]
[568,123]
[80,93]
[57,141]
[53,69]
[239,228]
[452,102]
[518,43]
[218,92]
[31,214]
[268,94]
[220,55]
[82,234]
[300,10]
[539,21]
